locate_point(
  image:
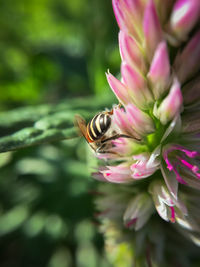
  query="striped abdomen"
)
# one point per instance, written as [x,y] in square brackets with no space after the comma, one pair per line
[98,126]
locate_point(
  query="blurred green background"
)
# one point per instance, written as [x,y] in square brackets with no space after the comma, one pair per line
[52,50]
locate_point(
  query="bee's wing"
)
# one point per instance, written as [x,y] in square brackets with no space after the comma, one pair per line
[81,125]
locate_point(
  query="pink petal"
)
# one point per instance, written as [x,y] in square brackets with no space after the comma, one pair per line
[152,29]
[141,122]
[130,52]
[160,70]
[122,146]
[120,118]
[128,14]
[171,105]
[119,14]
[117,174]
[118,88]
[184,16]
[131,77]
[144,166]
[136,85]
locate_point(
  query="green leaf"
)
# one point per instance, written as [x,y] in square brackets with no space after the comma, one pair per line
[29,126]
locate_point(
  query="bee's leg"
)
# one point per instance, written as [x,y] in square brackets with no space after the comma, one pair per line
[102,150]
[118,136]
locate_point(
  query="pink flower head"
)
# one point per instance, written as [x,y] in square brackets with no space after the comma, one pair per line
[158,92]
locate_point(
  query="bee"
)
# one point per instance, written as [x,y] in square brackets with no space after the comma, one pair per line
[100,131]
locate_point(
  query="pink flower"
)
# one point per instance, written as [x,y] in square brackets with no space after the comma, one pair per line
[158,120]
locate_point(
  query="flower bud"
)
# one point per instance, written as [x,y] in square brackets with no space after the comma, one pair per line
[128,14]
[140,121]
[184,16]
[118,88]
[130,52]
[171,105]
[137,86]
[160,70]
[152,29]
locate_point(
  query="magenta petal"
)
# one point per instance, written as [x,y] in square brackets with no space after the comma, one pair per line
[118,88]
[130,52]
[152,29]
[160,70]
[184,15]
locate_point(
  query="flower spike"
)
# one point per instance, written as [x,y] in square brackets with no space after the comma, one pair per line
[157,155]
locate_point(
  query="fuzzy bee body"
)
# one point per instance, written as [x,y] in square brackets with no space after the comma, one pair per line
[98,126]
